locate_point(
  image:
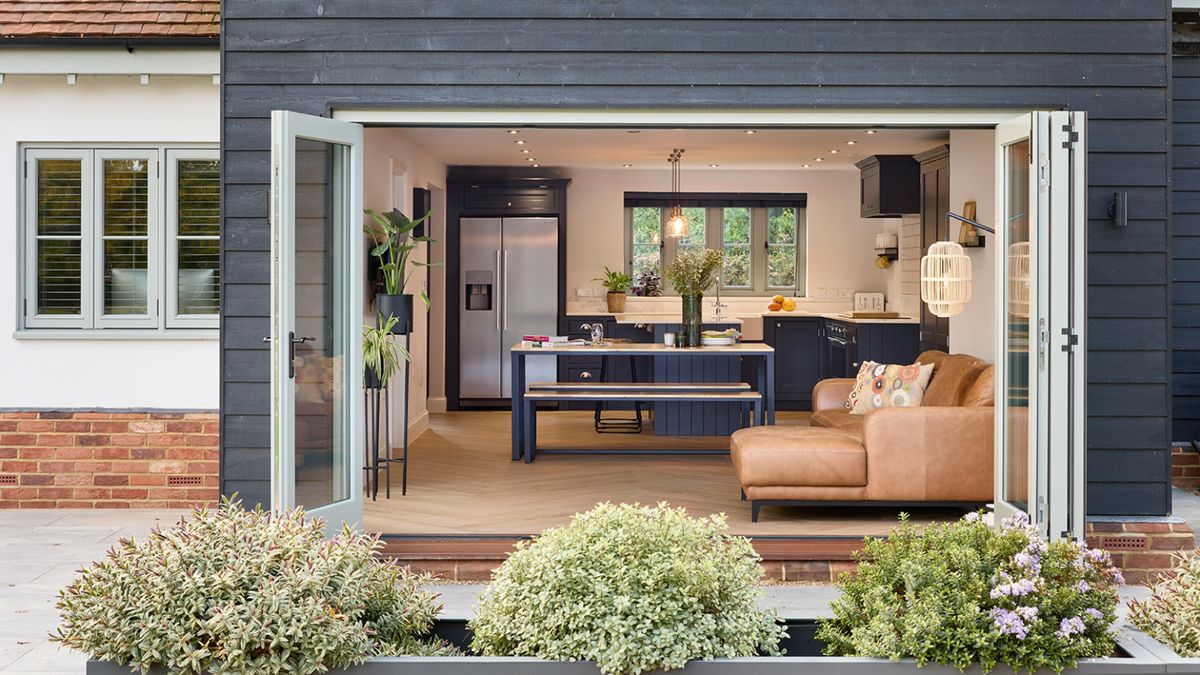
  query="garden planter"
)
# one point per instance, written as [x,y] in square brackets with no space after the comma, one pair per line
[399,306]
[1135,658]
[616,302]
[1174,662]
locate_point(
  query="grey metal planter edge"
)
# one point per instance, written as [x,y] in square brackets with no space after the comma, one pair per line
[1145,656]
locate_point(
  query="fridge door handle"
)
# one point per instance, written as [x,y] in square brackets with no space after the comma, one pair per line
[498,273]
[504,296]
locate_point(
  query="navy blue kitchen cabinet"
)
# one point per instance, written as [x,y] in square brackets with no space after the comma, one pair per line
[797,343]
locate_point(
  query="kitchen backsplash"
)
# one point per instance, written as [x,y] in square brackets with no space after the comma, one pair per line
[735,306]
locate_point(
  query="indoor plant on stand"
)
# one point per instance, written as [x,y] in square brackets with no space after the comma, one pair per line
[691,273]
[617,284]
[381,360]
[392,235]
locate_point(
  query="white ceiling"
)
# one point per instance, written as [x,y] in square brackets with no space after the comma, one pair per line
[648,148]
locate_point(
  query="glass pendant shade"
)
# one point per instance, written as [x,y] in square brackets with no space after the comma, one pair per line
[677,224]
[946,279]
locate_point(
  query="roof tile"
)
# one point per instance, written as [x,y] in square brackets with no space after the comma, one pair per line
[109,18]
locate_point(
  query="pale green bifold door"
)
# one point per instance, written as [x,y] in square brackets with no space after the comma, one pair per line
[316,316]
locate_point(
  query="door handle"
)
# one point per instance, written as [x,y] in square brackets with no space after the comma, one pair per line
[501,290]
[292,342]
[505,298]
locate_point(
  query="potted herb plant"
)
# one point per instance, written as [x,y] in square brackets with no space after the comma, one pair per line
[691,273]
[381,353]
[617,284]
[649,285]
[391,234]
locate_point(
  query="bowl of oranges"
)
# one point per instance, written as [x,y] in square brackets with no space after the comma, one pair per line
[782,304]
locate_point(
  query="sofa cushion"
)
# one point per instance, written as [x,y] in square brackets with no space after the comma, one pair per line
[808,456]
[983,390]
[839,419]
[881,385]
[953,375]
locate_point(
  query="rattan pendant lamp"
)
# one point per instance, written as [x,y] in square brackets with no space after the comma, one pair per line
[946,274]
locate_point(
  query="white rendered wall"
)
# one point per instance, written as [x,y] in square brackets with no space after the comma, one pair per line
[973,177]
[99,373]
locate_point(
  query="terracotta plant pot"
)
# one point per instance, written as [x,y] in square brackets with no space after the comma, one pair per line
[616,302]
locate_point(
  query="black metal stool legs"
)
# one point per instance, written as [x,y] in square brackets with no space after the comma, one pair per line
[629,425]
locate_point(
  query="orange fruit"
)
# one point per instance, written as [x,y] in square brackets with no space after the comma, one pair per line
[774,307]
[778,300]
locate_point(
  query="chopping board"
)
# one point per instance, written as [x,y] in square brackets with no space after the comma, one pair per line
[871,315]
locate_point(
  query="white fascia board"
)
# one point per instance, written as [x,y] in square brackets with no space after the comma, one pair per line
[200,61]
[1185,4]
[764,118]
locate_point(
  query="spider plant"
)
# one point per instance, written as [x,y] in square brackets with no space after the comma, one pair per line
[381,352]
[392,234]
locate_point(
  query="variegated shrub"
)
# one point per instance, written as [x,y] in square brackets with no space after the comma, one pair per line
[235,591]
[1172,612]
[633,588]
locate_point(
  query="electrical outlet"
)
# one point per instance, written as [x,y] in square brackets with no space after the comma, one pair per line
[845,293]
[583,292]
[598,292]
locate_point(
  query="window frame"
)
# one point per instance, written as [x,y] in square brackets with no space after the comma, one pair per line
[715,205]
[91,322]
[171,235]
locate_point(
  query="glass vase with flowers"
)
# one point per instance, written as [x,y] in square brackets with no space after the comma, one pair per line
[691,274]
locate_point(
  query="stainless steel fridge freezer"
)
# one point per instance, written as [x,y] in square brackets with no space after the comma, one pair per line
[509,279]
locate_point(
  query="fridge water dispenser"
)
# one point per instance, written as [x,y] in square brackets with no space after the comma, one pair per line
[479,290]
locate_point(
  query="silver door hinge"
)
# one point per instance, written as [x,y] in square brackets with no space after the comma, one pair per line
[1072,136]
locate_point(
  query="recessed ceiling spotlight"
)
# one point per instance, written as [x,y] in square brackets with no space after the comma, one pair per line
[714,165]
[513,131]
[818,159]
[626,165]
[519,142]
[872,131]
[833,151]
[751,131]
[806,166]
[851,142]
[536,165]
[531,159]
[633,131]
[526,151]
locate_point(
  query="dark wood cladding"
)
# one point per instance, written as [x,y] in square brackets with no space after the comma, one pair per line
[1107,57]
[1185,250]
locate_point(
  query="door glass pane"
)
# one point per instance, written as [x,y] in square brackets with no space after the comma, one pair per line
[1017,330]
[59,235]
[647,233]
[321,434]
[781,247]
[198,245]
[735,233]
[125,232]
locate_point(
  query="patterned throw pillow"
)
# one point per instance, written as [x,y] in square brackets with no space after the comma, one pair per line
[881,385]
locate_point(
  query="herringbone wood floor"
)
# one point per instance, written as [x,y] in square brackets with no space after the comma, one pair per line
[462,481]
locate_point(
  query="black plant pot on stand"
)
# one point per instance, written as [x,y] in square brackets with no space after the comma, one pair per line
[399,306]
[376,420]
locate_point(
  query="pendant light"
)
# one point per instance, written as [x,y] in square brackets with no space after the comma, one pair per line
[677,224]
[946,274]
[1018,279]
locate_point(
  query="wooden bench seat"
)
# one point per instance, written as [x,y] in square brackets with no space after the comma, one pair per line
[702,392]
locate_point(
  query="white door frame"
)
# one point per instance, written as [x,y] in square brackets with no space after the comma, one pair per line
[286,127]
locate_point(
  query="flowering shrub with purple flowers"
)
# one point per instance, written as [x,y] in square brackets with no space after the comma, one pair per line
[965,593]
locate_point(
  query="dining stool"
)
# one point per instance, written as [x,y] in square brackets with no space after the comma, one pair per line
[627,425]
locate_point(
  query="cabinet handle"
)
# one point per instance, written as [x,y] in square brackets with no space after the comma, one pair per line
[585,375]
[778,324]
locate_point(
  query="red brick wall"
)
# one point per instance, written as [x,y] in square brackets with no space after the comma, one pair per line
[108,459]
[1141,550]
[1185,467]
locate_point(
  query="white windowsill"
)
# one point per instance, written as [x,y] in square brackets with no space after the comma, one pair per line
[116,334]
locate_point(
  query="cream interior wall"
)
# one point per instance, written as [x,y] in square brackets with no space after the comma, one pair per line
[840,243]
[98,373]
[390,154]
[973,177]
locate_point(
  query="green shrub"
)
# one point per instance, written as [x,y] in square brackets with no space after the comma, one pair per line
[964,592]
[633,588]
[236,591]
[1172,613]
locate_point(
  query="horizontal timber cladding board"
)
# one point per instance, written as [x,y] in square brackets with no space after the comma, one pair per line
[681,68]
[742,11]
[1185,250]
[1106,57]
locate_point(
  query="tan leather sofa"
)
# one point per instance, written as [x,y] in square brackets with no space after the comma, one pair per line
[939,452]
